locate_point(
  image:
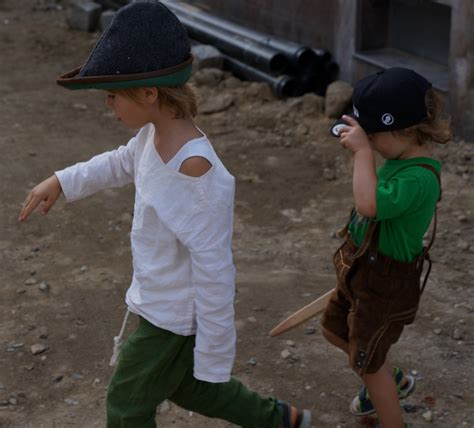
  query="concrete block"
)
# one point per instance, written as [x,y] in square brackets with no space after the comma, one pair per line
[84,15]
[207,56]
[106,18]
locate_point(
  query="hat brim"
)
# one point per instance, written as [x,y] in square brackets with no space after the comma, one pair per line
[177,75]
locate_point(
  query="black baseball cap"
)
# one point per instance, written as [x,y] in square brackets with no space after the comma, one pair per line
[388,100]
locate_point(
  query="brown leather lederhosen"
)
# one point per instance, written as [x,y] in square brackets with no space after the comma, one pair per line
[375,297]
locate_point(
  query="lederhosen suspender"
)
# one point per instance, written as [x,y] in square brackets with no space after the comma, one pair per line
[425,254]
[373,231]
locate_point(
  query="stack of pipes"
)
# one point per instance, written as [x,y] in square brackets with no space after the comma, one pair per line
[290,68]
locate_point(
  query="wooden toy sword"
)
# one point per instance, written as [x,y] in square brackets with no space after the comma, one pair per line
[302,315]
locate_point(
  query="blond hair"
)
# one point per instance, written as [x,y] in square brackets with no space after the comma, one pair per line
[181,100]
[435,127]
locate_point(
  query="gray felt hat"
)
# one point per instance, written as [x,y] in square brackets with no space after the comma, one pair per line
[145,45]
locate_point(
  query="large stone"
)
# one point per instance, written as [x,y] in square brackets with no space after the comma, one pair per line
[208,77]
[38,348]
[84,15]
[338,98]
[106,18]
[216,103]
[206,56]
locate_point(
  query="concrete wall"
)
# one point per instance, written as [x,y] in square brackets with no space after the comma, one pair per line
[305,21]
[461,67]
[335,25]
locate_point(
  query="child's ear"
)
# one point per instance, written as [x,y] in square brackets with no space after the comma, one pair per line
[151,95]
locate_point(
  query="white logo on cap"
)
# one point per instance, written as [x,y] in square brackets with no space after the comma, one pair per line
[336,129]
[356,112]
[388,119]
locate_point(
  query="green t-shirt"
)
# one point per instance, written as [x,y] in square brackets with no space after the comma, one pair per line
[405,199]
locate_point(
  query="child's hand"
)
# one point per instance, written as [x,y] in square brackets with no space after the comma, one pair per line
[47,191]
[353,137]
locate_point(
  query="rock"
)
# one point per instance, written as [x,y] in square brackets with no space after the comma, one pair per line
[437,331]
[252,319]
[79,322]
[208,77]
[308,104]
[31,281]
[83,269]
[272,161]
[309,330]
[84,15]
[232,83]
[285,354]
[126,218]
[106,18]
[252,361]
[78,106]
[206,56]
[164,407]
[301,130]
[44,287]
[458,334]
[290,343]
[329,174]
[428,416]
[38,348]
[71,402]
[463,245]
[411,408]
[14,347]
[57,378]
[43,332]
[219,102]
[338,98]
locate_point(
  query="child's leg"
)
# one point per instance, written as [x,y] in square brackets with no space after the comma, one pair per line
[384,396]
[381,383]
[147,372]
[156,364]
[230,401]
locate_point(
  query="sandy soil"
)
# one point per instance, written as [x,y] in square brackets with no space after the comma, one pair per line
[64,276]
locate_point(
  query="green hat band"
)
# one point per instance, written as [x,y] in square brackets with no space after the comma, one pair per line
[173,76]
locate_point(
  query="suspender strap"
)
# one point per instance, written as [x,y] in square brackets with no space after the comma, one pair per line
[433,235]
[435,172]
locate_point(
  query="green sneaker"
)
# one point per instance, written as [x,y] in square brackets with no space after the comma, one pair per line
[362,405]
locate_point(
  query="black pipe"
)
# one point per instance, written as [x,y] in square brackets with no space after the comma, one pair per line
[246,50]
[283,86]
[301,57]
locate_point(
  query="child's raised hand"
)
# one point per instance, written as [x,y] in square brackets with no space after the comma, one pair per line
[47,191]
[353,137]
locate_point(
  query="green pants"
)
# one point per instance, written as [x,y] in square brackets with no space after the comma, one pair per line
[156,364]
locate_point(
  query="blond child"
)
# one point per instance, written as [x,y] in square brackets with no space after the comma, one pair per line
[183,273]
[379,265]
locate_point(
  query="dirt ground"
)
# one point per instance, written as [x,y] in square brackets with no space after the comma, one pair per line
[63,276]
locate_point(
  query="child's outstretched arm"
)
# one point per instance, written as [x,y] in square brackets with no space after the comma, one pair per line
[364,181]
[47,193]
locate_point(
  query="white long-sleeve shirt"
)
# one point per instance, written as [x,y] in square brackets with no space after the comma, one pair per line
[183,273]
